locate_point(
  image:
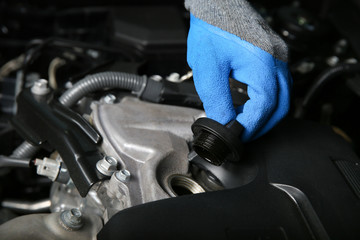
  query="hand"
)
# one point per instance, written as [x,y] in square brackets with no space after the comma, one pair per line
[215,55]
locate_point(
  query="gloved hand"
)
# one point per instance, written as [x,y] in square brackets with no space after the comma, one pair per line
[215,55]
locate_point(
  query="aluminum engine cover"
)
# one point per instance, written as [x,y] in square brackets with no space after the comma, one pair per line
[149,140]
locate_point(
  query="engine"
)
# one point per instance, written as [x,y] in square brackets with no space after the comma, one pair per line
[97,128]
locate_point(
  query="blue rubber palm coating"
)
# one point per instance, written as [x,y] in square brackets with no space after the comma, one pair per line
[215,55]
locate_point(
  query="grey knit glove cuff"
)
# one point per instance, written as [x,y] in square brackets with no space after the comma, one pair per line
[239,18]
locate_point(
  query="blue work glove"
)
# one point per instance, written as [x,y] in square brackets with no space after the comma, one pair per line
[215,55]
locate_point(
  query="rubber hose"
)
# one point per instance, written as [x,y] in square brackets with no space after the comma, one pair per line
[25,150]
[324,79]
[14,162]
[89,84]
[100,81]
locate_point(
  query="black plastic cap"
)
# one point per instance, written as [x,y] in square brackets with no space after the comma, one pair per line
[217,143]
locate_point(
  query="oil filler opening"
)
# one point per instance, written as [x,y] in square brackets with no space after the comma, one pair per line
[182,185]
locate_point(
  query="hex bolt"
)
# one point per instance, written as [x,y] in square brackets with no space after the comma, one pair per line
[173,77]
[40,87]
[71,219]
[109,99]
[156,78]
[107,166]
[123,175]
[332,61]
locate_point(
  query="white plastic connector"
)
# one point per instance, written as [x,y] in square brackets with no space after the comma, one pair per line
[48,167]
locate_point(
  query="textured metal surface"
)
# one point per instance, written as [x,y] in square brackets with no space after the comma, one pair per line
[48,227]
[150,141]
[66,196]
[72,219]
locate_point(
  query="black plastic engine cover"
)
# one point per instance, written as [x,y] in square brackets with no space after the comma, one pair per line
[306,188]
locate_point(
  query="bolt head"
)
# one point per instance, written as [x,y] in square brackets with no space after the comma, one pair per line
[75,213]
[107,166]
[123,175]
[173,77]
[72,219]
[109,99]
[156,78]
[332,61]
[40,87]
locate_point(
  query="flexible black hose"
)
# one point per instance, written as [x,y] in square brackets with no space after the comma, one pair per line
[325,78]
[100,81]
[14,162]
[91,83]
[25,150]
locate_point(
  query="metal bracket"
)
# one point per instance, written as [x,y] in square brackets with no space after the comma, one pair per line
[46,123]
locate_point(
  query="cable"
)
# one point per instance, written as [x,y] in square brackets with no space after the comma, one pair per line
[11,66]
[100,81]
[14,162]
[91,83]
[325,78]
[54,65]
[27,207]
[25,150]
[36,45]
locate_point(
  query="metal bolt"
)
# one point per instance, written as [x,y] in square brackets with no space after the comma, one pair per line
[109,99]
[40,87]
[156,78]
[72,219]
[123,175]
[93,53]
[173,77]
[285,33]
[302,20]
[107,166]
[332,61]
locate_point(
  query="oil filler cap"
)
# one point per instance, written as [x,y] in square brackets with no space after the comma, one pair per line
[217,143]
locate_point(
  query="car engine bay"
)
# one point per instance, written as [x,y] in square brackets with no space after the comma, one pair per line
[97,118]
